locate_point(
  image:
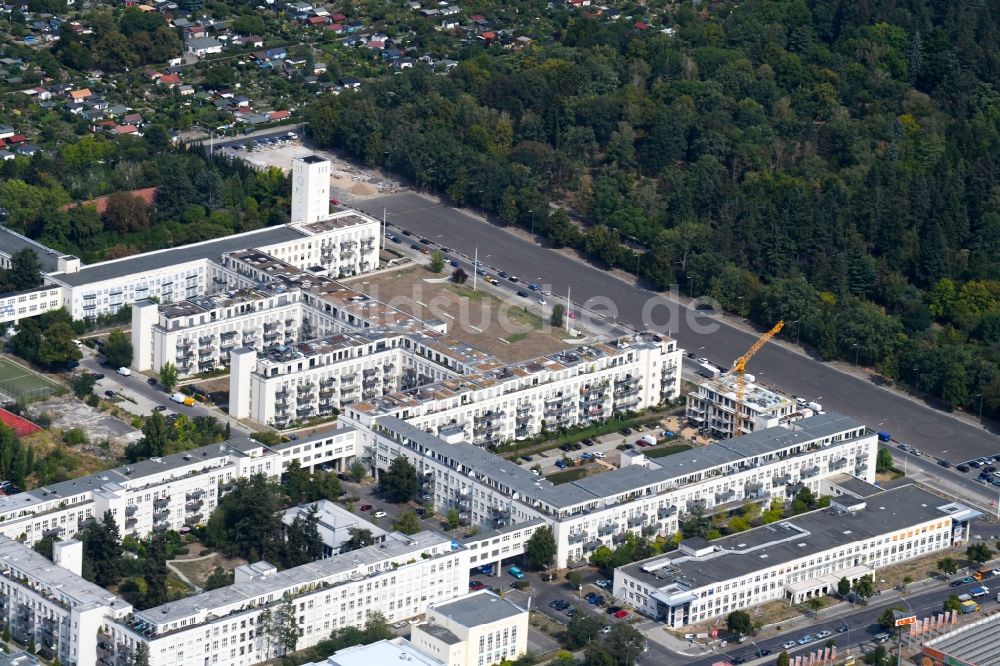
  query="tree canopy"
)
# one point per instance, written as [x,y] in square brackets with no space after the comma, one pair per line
[829,163]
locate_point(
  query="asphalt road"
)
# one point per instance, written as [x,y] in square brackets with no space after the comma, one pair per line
[862,624]
[712,336]
[137,384]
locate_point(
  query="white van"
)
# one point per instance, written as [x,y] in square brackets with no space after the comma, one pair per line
[124,372]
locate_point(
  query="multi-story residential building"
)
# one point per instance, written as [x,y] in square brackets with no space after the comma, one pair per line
[51,607]
[569,388]
[711,406]
[643,497]
[795,559]
[338,244]
[165,493]
[475,630]
[398,578]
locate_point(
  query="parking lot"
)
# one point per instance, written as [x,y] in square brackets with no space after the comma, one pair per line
[984,469]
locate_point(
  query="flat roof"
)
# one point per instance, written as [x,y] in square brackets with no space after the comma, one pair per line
[815,532]
[312,159]
[481,607]
[392,651]
[625,479]
[974,644]
[38,567]
[395,547]
[11,242]
[151,261]
[853,485]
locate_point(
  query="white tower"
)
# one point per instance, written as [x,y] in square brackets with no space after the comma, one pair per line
[242,362]
[310,189]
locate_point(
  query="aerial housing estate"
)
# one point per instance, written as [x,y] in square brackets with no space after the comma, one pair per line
[301,345]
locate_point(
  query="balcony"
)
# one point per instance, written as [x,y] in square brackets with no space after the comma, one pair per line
[577,538]
[637,521]
[329,382]
[780,480]
[305,388]
[193,505]
[161,502]
[665,512]
[161,527]
[605,530]
[193,519]
[592,545]
[131,522]
[161,515]
[131,509]
[726,496]
[693,505]
[839,463]
[809,472]
[52,531]
[195,494]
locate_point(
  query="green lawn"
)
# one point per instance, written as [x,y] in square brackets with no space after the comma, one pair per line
[573,474]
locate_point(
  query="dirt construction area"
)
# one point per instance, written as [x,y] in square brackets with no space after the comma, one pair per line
[506,330]
[347,181]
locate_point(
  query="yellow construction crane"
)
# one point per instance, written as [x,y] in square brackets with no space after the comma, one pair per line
[740,368]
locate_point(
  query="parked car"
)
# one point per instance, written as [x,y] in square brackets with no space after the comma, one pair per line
[125,372]
[604,584]
[606,630]
[621,615]
[962,468]
[516,573]
[522,294]
[613,609]
[844,628]
[380,514]
[788,645]
[824,634]
[366,507]
[808,638]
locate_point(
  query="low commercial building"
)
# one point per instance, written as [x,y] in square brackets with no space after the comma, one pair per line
[477,629]
[795,559]
[646,497]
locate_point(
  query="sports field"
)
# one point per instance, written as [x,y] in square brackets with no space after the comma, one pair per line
[16,381]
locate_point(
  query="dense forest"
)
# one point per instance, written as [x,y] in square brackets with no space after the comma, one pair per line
[829,162]
[197,197]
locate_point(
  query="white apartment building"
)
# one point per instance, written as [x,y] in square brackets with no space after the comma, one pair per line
[479,629]
[339,244]
[570,388]
[29,303]
[796,559]
[51,607]
[397,578]
[711,406]
[644,497]
[165,493]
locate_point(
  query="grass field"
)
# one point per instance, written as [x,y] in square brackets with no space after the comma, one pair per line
[16,380]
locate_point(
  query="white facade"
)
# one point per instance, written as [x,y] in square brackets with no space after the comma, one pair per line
[397,578]
[310,189]
[711,405]
[796,559]
[477,629]
[642,498]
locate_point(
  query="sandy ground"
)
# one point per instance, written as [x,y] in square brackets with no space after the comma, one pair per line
[67,412]
[347,181]
[477,318]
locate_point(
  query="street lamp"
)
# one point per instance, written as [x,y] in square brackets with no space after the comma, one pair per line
[798,325]
[980,396]
[857,353]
